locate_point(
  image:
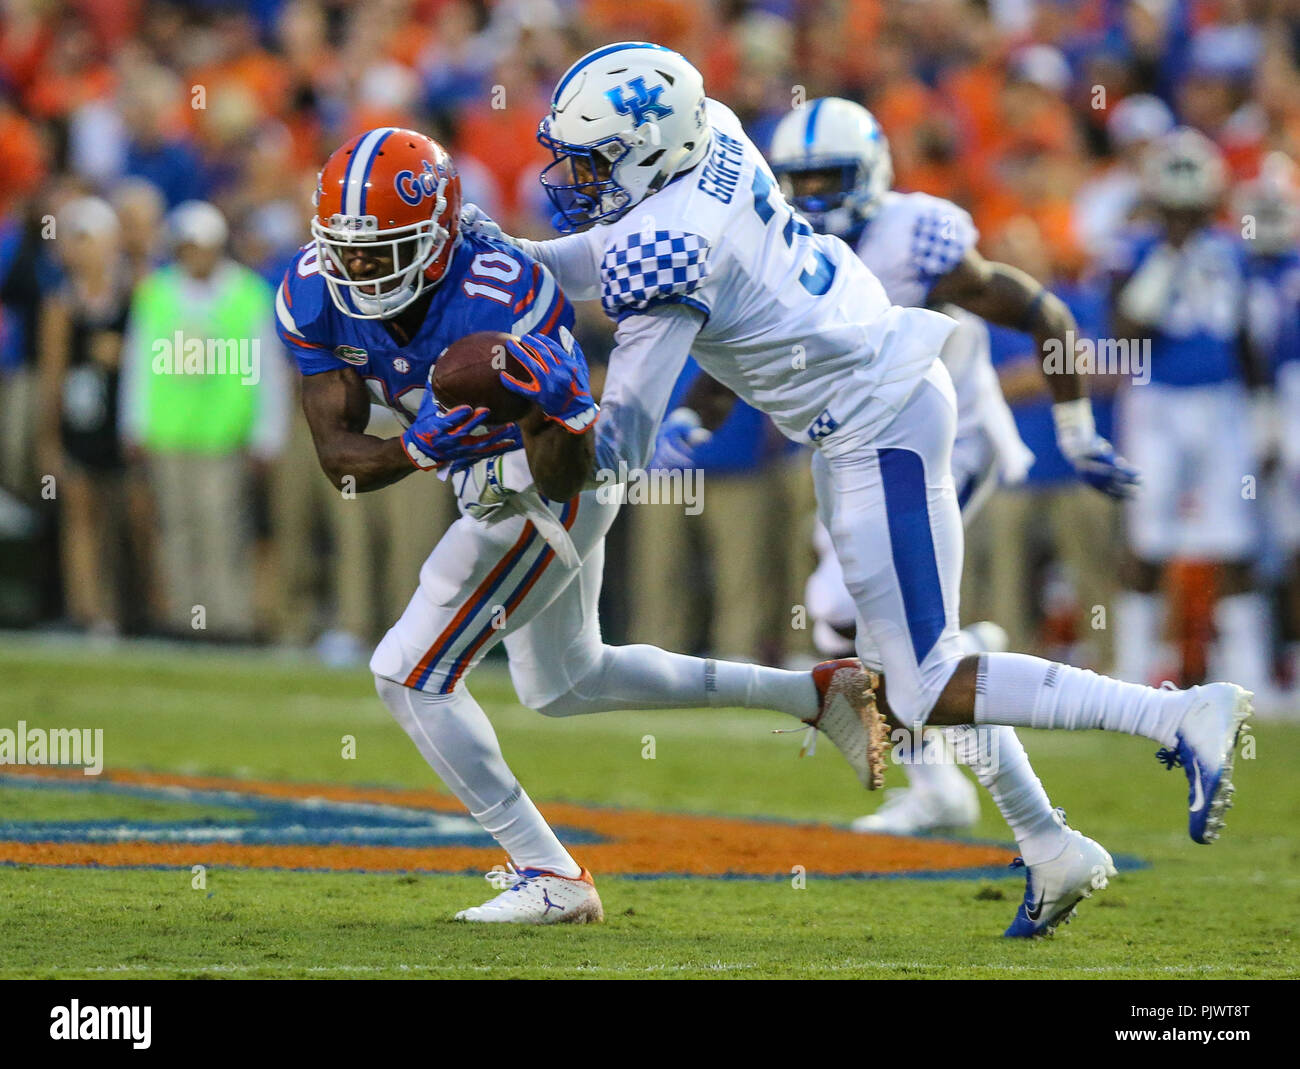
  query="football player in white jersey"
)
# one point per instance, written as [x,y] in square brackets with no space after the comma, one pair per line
[695,251]
[832,162]
[367,309]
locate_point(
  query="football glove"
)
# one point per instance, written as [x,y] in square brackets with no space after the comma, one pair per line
[680,435]
[555,379]
[475,220]
[455,437]
[1092,457]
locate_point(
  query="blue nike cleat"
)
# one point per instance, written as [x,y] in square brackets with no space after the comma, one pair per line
[1053,888]
[1205,749]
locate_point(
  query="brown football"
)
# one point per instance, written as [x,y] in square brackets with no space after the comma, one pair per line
[469,373]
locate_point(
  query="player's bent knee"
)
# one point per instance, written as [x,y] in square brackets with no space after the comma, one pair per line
[912,700]
[567,704]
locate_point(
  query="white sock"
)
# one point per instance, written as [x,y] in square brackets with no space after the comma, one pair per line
[454,736]
[1022,691]
[1138,619]
[1245,640]
[999,761]
[646,677]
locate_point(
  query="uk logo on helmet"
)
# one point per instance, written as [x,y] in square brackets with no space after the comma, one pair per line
[643,104]
[413,188]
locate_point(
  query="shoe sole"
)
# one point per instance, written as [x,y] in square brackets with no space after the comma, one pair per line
[1221,800]
[857,686]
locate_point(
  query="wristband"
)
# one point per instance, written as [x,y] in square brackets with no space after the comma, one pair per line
[1075,428]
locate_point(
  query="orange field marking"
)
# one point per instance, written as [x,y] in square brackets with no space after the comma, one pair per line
[631,842]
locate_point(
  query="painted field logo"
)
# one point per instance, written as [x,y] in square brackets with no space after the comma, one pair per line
[76,1021]
[53,746]
[327,827]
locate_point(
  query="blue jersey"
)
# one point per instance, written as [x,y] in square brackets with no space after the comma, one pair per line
[1273,307]
[1197,340]
[489,285]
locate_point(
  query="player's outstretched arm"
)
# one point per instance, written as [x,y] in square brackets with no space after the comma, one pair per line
[337,408]
[1009,297]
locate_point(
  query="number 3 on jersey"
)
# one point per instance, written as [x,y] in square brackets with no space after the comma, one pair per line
[820,272]
[492,265]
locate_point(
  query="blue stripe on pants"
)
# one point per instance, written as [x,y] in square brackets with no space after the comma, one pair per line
[903,475]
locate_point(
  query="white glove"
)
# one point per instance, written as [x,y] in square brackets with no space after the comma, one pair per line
[475,220]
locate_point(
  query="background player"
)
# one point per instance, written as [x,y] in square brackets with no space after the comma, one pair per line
[1270,218]
[388,284]
[1179,285]
[713,262]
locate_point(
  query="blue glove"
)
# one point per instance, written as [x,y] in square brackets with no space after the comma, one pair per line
[437,437]
[1101,469]
[680,435]
[555,380]
[1092,457]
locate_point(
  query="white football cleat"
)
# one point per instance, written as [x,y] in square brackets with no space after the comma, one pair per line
[848,715]
[917,811]
[535,896]
[1053,888]
[1205,749]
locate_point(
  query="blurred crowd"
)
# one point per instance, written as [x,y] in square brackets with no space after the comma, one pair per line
[160,159]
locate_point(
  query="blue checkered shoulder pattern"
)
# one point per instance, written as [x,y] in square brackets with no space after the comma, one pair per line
[648,268]
[939,242]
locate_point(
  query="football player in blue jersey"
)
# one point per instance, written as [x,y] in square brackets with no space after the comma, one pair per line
[1179,295]
[1269,210]
[389,282]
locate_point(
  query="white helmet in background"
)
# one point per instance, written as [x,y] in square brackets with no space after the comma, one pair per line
[833,134]
[1184,170]
[624,120]
[1268,206]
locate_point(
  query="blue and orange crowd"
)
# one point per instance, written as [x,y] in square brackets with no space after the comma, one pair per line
[1011,108]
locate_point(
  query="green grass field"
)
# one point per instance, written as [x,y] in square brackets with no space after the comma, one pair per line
[1231,910]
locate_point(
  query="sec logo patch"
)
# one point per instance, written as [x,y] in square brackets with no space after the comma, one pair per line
[401,365]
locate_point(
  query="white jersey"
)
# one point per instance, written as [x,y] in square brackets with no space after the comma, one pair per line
[789,320]
[911,241]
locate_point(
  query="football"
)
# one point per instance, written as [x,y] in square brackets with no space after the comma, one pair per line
[468,373]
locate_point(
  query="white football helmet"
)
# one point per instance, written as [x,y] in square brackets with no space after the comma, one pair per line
[833,134]
[1268,205]
[624,120]
[1184,170]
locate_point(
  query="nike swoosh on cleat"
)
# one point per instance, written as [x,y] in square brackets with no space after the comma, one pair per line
[1037,911]
[1198,792]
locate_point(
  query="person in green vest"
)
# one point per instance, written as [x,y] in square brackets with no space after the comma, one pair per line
[204,410]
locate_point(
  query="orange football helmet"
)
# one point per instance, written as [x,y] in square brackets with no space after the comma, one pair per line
[397,193]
